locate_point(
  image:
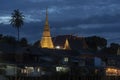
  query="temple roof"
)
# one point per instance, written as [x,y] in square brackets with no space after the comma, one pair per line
[75,42]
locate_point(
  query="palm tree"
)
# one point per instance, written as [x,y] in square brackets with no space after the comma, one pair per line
[17,20]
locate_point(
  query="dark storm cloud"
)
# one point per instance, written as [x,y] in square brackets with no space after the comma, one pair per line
[81,17]
[105,26]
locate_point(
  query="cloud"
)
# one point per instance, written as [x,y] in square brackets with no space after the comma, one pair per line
[4,19]
[29,18]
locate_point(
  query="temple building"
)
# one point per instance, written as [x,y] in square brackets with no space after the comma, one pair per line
[69,42]
[46,41]
[67,46]
[65,42]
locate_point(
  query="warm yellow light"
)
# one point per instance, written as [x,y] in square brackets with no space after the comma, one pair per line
[46,41]
[112,71]
[67,46]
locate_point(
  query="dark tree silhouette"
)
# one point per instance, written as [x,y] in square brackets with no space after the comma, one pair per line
[23,42]
[112,49]
[17,20]
[94,42]
[36,44]
[8,39]
[1,36]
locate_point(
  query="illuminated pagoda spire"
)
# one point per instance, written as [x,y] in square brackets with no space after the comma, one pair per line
[67,46]
[46,41]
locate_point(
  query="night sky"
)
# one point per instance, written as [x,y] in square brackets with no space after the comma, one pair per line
[76,17]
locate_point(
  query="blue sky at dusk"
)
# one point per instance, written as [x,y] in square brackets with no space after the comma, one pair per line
[77,17]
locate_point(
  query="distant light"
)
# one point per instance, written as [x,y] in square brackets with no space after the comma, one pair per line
[112,72]
[62,69]
[27,70]
[66,59]
[26,67]
[57,47]
[38,69]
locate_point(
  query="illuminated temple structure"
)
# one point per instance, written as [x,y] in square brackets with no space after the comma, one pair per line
[65,42]
[46,41]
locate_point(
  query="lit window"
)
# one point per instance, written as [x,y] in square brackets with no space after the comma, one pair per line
[27,70]
[62,69]
[66,59]
[22,70]
[38,69]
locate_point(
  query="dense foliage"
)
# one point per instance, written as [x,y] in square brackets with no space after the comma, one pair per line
[96,42]
[12,41]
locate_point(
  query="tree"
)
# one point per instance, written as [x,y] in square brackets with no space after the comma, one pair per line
[114,45]
[23,42]
[8,40]
[94,42]
[112,49]
[36,44]
[17,20]
[1,36]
